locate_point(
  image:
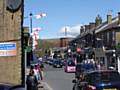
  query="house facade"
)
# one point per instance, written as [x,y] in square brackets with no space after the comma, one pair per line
[101,40]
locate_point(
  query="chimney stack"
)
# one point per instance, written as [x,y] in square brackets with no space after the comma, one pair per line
[98,21]
[81,29]
[118,17]
[86,27]
[92,25]
[109,18]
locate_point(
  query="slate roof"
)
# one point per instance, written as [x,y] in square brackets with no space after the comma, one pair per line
[102,27]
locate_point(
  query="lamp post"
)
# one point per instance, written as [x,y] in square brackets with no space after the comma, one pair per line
[31,22]
[31,44]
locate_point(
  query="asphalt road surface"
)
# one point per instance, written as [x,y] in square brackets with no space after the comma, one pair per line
[57,79]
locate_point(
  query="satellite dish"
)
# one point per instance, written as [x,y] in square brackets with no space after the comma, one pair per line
[13,5]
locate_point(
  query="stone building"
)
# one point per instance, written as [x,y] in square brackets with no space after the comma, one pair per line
[64,42]
[11,52]
[101,38]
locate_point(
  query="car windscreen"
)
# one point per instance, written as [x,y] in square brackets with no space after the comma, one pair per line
[104,77]
[70,63]
[57,62]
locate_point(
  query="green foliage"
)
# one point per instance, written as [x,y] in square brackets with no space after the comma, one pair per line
[46,45]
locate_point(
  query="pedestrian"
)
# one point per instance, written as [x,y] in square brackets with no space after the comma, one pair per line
[37,72]
[40,68]
[41,71]
[32,81]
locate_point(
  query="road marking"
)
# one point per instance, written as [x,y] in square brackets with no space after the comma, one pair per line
[48,86]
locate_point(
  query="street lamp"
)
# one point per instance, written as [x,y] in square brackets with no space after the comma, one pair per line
[37,16]
[31,22]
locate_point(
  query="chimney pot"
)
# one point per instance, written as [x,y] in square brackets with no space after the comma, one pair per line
[81,29]
[98,20]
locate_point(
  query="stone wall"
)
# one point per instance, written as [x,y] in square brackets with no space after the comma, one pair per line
[117,37]
[11,31]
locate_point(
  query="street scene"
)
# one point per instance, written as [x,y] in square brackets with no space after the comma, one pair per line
[59,45]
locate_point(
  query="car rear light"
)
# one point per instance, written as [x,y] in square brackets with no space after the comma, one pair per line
[90,87]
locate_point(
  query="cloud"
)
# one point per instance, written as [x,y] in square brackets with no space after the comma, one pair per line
[71,31]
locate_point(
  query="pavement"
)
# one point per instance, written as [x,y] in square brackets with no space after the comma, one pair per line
[44,86]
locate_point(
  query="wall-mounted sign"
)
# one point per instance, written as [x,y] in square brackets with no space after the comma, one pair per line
[8,49]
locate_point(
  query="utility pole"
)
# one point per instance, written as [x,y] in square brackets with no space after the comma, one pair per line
[65,32]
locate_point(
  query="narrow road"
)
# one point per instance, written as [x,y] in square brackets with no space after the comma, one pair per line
[57,79]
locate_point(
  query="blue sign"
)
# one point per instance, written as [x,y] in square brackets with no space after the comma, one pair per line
[7,46]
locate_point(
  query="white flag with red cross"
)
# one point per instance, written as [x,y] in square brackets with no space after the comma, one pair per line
[38,16]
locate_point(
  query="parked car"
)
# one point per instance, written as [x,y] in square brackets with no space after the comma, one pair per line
[18,87]
[11,87]
[63,62]
[50,61]
[84,67]
[70,66]
[98,80]
[5,86]
[57,64]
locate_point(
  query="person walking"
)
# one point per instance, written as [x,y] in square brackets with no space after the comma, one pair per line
[39,71]
[36,71]
[32,81]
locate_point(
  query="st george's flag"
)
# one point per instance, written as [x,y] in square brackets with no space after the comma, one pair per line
[38,16]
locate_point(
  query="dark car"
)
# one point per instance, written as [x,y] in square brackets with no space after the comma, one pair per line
[99,80]
[5,86]
[18,87]
[11,87]
[50,61]
[57,64]
[82,68]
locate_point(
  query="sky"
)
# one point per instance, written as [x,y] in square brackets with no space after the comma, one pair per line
[69,14]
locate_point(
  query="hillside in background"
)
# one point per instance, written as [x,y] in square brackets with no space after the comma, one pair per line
[46,44]
[49,43]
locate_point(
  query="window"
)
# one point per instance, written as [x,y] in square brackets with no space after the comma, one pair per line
[71,63]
